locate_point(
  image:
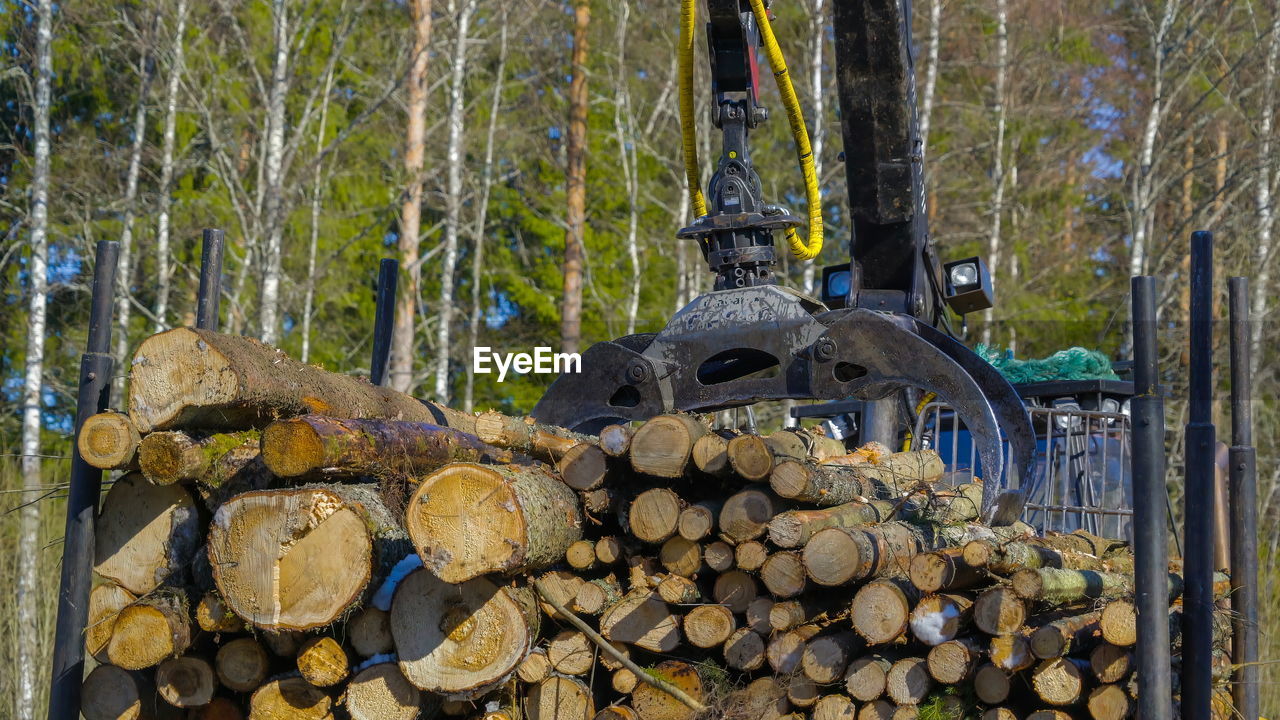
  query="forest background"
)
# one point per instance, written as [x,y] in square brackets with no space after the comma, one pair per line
[1072,142]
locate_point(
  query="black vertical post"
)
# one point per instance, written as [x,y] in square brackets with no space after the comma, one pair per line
[93,394]
[384,313]
[211,251]
[1198,513]
[1150,534]
[1244,510]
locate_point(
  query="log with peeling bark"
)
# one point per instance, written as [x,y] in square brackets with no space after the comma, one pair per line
[794,528]
[369,446]
[1010,557]
[146,534]
[213,460]
[290,698]
[188,377]
[939,618]
[663,446]
[825,485]
[381,692]
[152,628]
[1070,634]
[527,436]
[109,441]
[461,640]
[468,520]
[881,610]
[300,558]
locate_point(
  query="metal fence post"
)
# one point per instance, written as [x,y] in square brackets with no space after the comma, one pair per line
[1244,511]
[212,248]
[384,314]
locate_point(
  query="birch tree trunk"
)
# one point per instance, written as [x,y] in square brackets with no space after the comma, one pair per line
[1266,213]
[453,194]
[317,186]
[624,129]
[124,267]
[166,169]
[817,98]
[486,184]
[932,42]
[1143,178]
[404,328]
[269,309]
[997,163]
[576,176]
[29,654]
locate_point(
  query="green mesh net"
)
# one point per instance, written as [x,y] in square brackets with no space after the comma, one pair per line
[1075,363]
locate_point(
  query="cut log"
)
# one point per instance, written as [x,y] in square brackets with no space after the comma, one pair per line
[881,610]
[155,627]
[1065,635]
[528,436]
[746,514]
[241,665]
[641,619]
[802,693]
[1061,587]
[826,485]
[999,611]
[826,657]
[109,441]
[213,615]
[283,643]
[654,515]
[903,471]
[609,550]
[763,699]
[991,684]
[662,446]
[290,698]
[954,661]
[381,692]
[1059,681]
[1008,558]
[877,710]
[535,667]
[369,446]
[750,457]
[112,693]
[806,610]
[106,600]
[1110,702]
[468,520]
[709,626]
[719,556]
[735,589]
[186,681]
[744,650]
[837,556]
[220,708]
[678,590]
[1000,713]
[615,440]
[199,378]
[834,707]
[711,456]
[1011,653]
[785,651]
[1119,623]
[369,632]
[866,676]
[323,662]
[794,528]
[581,555]
[571,653]
[943,569]
[758,614]
[783,573]
[602,502]
[908,681]
[624,681]
[617,712]
[651,703]
[461,640]
[594,597]
[698,521]
[584,467]
[300,558]
[560,698]
[750,556]
[1110,663]
[643,573]
[937,619]
[609,661]
[947,505]
[146,534]
[1049,715]
[681,557]
[170,457]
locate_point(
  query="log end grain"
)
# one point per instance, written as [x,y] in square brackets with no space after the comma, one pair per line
[108,441]
[322,661]
[750,457]
[909,681]
[708,626]
[999,611]
[110,693]
[560,698]
[241,665]
[746,514]
[290,698]
[1119,623]
[881,612]
[106,600]
[652,703]
[662,446]
[381,692]
[186,681]
[146,534]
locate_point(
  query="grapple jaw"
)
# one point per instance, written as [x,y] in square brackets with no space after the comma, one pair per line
[721,350]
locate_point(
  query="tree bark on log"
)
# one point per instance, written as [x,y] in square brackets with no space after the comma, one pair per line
[1062,587]
[1064,636]
[109,441]
[1009,558]
[186,681]
[300,558]
[106,600]
[381,692]
[469,520]
[169,457]
[794,528]
[461,640]
[188,377]
[825,485]
[881,609]
[241,665]
[370,446]
[155,627]
[644,620]
[805,610]
[662,446]
[146,535]
[290,698]
[940,618]
[837,556]
[526,435]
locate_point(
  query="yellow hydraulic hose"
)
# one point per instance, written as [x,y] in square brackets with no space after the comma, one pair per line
[799,133]
[688,133]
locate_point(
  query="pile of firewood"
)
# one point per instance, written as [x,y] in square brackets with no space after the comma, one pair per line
[284,542]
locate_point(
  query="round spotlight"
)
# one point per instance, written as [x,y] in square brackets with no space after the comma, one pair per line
[964,274]
[839,283]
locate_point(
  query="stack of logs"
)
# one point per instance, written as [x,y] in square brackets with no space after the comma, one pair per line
[285,542]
